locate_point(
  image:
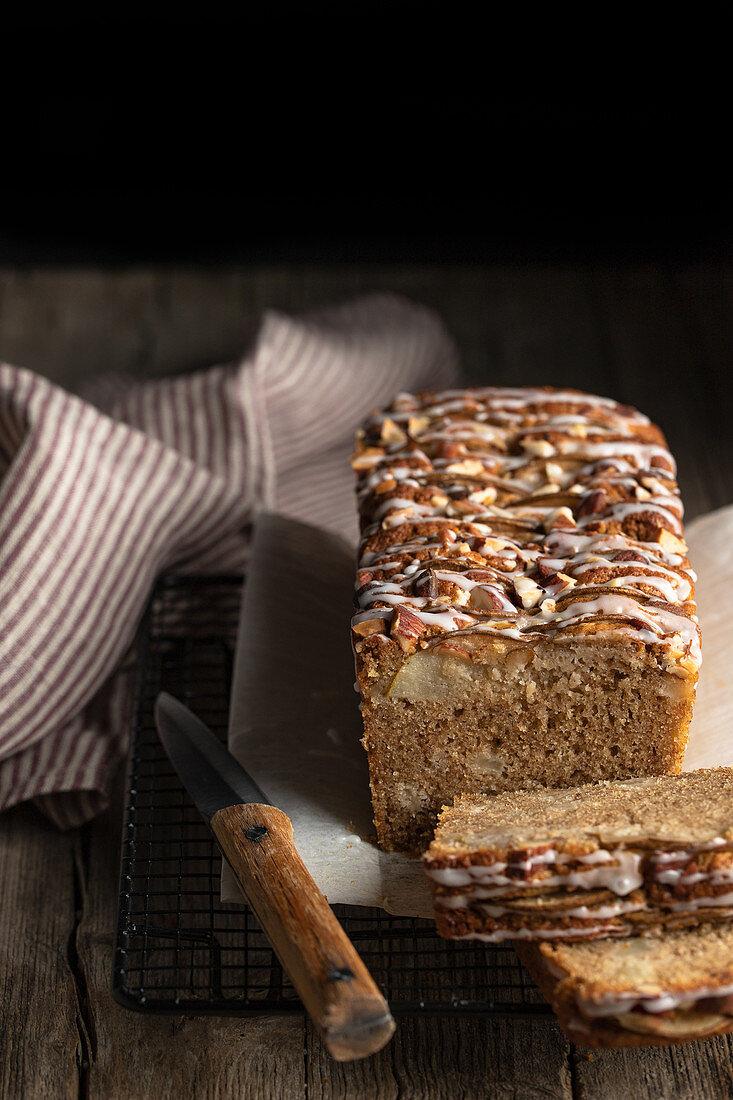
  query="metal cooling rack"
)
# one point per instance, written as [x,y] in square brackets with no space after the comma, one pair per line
[179,948]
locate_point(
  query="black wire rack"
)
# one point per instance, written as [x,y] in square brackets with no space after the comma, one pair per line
[179,947]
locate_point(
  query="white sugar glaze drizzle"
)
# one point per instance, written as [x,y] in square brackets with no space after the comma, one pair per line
[713,902]
[524,483]
[501,934]
[578,912]
[611,1004]
[618,871]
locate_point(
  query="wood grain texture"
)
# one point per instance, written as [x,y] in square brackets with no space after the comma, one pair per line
[688,1072]
[659,337]
[443,1058]
[333,983]
[42,1040]
[135,1055]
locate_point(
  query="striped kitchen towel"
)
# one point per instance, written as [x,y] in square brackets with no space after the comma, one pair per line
[97,500]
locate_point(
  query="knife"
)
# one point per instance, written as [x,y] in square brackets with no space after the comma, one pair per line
[256,839]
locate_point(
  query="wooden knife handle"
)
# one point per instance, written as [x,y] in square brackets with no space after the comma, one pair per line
[333,983]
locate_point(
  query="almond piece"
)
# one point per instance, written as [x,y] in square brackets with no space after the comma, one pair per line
[391,433]
[593,503]
[485,599]
[559,582]
[671,543]
[561,517]
[364,460]
[368,626]
[542,448]
[417,424]
[528,591]
[406,628]
[544,569]
[470,467]
[396,517]
[426,585]
[460,508]
[484,496]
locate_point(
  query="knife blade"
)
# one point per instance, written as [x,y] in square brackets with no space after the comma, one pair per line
[207,769]
[256,839]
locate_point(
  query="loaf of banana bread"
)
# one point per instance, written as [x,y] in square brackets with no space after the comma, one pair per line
[525,611]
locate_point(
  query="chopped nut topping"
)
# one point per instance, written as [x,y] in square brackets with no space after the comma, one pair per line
[392,434]
[561,517]
[670,542]
[540,447]
[406,628]
[429,513]
[528,591]
[417,424]
[367,627]
[470,468]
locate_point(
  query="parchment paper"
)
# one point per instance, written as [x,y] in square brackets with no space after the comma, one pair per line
[295,723]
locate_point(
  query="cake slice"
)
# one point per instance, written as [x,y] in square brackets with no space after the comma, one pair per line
[646,991]
[610,859]
[525,611]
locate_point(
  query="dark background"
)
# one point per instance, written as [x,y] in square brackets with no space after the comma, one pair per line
[413,132]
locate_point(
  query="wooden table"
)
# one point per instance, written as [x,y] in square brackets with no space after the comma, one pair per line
[657,338]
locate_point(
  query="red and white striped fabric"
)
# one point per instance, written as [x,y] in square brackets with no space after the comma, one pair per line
[94,504]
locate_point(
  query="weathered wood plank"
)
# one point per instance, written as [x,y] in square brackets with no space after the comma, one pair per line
[688,1072]
[41,1044]
[445,1057]
[138,1055]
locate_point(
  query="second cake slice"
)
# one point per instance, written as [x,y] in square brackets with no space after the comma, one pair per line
[604,860]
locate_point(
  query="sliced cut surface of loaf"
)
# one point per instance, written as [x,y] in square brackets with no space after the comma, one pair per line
[694,806]
[612,859]
[525,609]
[642,991]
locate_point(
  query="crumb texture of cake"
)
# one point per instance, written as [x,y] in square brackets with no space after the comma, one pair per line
[525,607]
[642,991]
[614,859]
